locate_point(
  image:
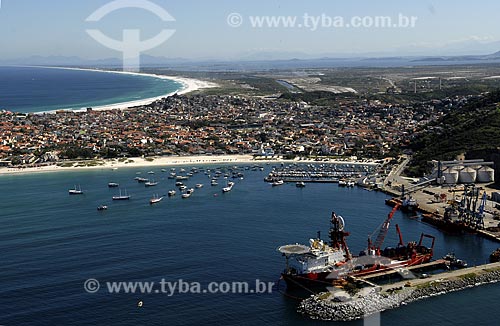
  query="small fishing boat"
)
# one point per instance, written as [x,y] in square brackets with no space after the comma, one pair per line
[278,183]
[229,187]
[102,207]
[300,184]
[113,185]
[76,191]
[188,193]
[172,193]
[199,186]
[151,184]
[155,199]
[125,196]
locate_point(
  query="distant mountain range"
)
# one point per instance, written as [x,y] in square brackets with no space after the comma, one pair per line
[488,57]
[255,62]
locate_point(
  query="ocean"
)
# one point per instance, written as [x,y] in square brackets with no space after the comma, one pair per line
[30,89]
[51,243]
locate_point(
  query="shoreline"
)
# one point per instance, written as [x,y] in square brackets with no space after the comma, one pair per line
[165,161]
[188,85]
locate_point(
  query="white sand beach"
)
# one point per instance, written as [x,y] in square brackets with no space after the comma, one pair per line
[188,85]
[164,162]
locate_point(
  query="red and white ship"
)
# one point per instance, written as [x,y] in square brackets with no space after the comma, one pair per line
[321,263]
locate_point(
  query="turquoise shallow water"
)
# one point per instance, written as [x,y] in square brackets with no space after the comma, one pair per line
[52,242]
[24,89]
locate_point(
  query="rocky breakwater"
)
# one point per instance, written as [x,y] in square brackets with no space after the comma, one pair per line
[334,307]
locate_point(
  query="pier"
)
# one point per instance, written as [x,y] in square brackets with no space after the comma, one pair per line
[341,306]
[324,173]
[427,266]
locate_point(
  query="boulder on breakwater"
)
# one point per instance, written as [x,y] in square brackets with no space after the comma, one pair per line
[322,307]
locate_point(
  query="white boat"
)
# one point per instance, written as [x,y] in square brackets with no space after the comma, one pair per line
[351,183]
[199,185]
[229,187]
[300,184]
[151,184]
[172,193]
[188,193]
[102,208]
[151,172]
[183,187]
[76,191]
[278,183]
[113,185]
[155,200]
[122,197]
[214,183]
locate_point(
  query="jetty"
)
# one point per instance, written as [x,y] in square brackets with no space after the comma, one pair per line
[343,305]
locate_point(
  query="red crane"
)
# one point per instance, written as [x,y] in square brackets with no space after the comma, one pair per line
[382,233]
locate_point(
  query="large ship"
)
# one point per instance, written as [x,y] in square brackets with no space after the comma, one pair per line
[321,263]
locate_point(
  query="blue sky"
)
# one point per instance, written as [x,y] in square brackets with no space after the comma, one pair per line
[58,27]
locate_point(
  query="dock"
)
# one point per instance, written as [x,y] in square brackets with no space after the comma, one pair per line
[341,306]
[421,267]
[445,276]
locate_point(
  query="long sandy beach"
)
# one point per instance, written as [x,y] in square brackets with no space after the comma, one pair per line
[163,161]
[188,85]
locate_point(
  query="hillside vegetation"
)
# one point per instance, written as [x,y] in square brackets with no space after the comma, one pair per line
[475,127]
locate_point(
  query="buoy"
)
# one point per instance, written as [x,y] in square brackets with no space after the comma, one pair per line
[140,304]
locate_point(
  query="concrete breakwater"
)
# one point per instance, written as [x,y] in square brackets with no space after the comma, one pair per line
[373,300]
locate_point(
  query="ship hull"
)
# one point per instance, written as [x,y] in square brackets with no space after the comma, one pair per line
[325,279]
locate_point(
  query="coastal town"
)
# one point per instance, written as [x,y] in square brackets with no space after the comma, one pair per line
[215,125]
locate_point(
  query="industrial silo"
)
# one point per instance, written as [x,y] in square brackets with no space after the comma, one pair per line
[467,175]
[450,176]
[485,175]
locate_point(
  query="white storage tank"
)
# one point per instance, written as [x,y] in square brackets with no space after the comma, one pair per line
[467,175]
[450,176]
[485,175]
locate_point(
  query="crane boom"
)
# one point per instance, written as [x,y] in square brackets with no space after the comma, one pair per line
[384,229]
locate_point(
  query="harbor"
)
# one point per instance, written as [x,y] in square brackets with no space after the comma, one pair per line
[211,216]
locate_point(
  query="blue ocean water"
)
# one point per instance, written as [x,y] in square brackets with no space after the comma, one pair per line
[52,242]
[28,89]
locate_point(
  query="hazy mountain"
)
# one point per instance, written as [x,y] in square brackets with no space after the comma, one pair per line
[254,61]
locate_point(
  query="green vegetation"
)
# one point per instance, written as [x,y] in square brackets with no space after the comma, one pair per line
[472,128]
[468,276]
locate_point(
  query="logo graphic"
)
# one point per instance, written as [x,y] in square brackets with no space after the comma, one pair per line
[131,45]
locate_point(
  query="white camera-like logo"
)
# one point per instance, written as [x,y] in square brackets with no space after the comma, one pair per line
[131,45]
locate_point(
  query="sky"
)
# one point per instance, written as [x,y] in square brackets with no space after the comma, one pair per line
[223,30]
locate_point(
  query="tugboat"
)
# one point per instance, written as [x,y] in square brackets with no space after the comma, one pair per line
[454,261]
[409,204]
[495,256]
[322,264]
